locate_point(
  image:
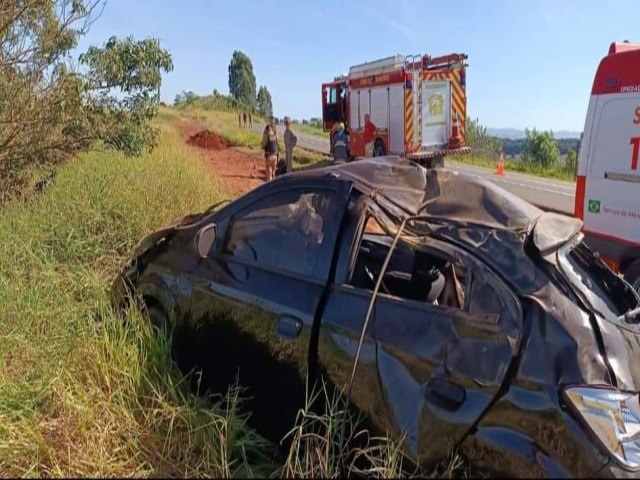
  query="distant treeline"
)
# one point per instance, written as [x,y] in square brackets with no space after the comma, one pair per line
[517,146]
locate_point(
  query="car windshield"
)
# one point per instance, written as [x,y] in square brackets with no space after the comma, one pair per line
[606,290]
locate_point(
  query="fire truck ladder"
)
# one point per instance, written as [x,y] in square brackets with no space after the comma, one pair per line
[413,64]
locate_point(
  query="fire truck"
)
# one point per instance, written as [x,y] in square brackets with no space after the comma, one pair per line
[417,103]
[608,183]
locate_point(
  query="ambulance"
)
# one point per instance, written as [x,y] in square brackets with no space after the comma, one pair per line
[608,184]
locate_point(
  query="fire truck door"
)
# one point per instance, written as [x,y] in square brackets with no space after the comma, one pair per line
[396,119]
[436,113]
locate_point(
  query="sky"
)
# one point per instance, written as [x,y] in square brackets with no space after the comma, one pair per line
[531,62]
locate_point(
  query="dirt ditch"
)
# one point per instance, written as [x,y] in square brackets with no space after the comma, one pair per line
[207,139]
[238,170]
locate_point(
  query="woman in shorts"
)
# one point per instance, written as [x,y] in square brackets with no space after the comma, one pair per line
[270,147]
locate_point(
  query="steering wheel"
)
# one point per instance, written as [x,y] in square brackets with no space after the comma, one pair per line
[373,280]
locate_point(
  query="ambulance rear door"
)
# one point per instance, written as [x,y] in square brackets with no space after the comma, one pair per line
[612,185]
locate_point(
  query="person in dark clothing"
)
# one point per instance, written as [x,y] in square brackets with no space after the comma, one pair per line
[340,145]
[270,147]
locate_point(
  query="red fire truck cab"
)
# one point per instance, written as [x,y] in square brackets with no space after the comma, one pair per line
[418,105]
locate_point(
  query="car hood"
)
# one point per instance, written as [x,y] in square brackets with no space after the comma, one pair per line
[164,233]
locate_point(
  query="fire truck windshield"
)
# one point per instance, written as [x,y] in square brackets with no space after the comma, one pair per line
[332,95]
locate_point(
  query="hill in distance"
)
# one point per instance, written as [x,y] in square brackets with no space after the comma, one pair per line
[515,133]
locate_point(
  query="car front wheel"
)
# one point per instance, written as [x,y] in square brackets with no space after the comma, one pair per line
[156,315]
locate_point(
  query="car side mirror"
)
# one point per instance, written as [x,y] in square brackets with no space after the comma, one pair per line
[204,239]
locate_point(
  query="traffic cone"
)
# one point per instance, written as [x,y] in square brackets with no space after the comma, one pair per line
[500,170]
[455,141]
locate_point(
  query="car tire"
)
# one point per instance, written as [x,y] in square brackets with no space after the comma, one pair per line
[156,315]
[632,275]
[378,148]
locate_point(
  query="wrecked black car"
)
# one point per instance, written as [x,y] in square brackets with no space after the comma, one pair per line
[450,310]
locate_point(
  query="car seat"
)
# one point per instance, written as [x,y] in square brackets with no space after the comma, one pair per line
[427,277]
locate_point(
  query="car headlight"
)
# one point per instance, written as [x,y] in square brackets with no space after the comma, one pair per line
[614,417]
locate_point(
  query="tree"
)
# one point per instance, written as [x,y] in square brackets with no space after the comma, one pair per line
[242,81]
[571,161]
[121,83]
[48,108]
[541,149]
[265,108]
[185,98]
[480,142]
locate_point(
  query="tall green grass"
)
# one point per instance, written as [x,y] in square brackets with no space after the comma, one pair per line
[80,397]
[84,393]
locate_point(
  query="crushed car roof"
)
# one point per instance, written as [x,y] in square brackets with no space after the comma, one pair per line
[434,192]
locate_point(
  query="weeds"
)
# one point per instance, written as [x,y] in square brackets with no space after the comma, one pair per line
[80,397]
[333,445]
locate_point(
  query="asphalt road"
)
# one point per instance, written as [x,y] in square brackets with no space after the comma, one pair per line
[545,193]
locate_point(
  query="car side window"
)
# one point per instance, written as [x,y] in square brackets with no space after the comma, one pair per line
[429,277]
[290,230]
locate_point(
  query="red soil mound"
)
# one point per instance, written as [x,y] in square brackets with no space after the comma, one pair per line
[207,139]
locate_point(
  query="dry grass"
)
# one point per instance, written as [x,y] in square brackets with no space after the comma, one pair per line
[83,393]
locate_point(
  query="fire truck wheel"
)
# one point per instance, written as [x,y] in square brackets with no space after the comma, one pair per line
[632,275]
[378,148]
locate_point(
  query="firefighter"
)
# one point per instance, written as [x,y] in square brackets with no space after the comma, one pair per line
[270,147]
[290,141]
[369,135]
[340,145]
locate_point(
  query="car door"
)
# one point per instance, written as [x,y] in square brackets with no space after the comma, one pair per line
[428,371]
[257,293]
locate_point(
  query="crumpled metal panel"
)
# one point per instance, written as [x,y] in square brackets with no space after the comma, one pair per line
[458,197]
[574,345]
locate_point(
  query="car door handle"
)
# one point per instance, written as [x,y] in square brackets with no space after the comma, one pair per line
[445,393]
[288,326]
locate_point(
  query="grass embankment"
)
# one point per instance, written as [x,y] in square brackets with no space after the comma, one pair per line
[82,397]
[226,124]
[557,172]
[309,130]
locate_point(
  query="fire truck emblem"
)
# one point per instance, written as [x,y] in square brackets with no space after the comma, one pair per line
[436,105]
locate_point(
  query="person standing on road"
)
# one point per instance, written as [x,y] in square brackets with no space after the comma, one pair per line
[270,147]
[290,141]
[369,136]
[340,145]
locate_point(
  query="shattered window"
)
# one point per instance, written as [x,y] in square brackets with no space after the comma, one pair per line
[424,275]
[286,231]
